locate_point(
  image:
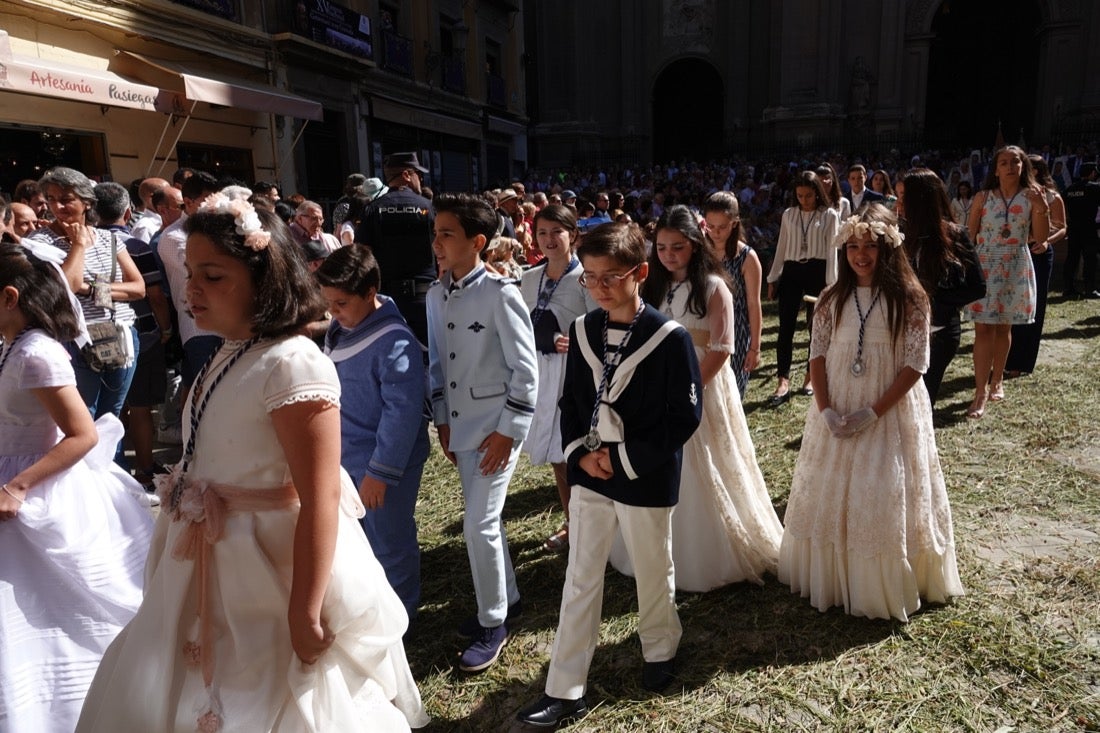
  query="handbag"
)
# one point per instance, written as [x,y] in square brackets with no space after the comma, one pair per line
[109,340]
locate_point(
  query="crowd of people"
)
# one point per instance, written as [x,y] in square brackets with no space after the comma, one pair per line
[611,335]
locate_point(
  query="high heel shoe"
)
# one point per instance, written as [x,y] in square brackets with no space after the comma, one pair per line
[996,394]
[976,410]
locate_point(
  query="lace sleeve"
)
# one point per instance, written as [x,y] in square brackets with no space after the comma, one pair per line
[301,375]
[915,341]
[720,316]
[823,328]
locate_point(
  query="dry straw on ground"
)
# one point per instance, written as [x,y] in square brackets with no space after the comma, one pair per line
[1021,652]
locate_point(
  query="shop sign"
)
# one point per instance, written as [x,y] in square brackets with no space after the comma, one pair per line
[334,25]
[32,76]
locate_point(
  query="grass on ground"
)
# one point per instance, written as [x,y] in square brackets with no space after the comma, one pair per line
[1020,652]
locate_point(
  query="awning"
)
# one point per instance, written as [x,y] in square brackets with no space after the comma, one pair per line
[32,75]
[176,77]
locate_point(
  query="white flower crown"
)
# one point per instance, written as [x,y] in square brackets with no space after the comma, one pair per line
[855,226]
[244,216]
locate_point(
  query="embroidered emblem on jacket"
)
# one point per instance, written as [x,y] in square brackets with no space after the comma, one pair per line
[476,327]
[692,396]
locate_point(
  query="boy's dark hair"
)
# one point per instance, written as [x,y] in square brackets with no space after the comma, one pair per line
[286,296]
[25,191]
[352,269]
[199,185]
[181,175]
[475,215]
[43,297]
[623,243]
[857,167]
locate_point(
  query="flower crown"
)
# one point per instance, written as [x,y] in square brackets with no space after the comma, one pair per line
[855,226]
[244,216]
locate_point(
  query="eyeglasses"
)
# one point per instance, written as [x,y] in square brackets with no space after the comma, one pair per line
[604,281]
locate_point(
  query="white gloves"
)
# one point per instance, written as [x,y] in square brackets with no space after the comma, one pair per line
[859,421]
[834,421]
[849,425]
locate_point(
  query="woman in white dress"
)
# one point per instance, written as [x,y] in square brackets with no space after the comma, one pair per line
[552,290]
[724,528]
[74,528]
[868,524]
[265,609]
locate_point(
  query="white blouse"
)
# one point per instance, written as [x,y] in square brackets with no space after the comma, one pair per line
[807,236]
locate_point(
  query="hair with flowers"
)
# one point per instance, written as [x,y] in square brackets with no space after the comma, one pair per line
[245,219]
[857,227]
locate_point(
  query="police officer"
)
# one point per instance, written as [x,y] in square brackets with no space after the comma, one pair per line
[398,228]
[1082,202]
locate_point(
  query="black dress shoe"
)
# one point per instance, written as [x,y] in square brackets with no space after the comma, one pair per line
[550,712]
[778,399]
[656,676]
[1093,295]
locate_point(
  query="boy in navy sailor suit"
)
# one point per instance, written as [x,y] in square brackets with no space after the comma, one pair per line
[484,379]
[623,460]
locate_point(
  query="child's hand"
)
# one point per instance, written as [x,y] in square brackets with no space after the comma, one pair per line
[445,441]
[603,460]
[590,464]
[859,420]
[836,424]
[561,343]
[372,492]
[497,449]
[752,360]
[308,637]
[11,500]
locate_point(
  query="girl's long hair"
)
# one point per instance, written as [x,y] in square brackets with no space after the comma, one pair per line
[832,191]
[809,179]
[43,295]
[703,262]
[930,233]
[893,277]
[724,202]
[1027,178]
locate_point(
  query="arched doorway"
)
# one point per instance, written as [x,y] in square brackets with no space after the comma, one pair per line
[983,69]
[688,109]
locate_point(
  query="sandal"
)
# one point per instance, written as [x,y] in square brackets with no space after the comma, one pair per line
[975,411]
[997,394]
[559,541]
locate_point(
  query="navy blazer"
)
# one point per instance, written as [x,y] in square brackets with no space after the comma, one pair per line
[660,408]
[868,197]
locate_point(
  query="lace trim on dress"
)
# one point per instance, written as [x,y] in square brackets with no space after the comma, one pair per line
[318,396]
[724,348]
[916,338]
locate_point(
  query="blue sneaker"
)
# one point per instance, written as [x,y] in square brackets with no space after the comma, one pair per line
[471,628]
[485,649]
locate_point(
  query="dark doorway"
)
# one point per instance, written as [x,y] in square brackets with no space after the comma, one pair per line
[688,109]
[982,69]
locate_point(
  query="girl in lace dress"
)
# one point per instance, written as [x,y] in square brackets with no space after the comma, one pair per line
[265,609]
[74,528]
[724,530]
[868,525]
[722,216]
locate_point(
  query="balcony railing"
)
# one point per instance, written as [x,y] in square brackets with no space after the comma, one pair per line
[397,54]
[497,95]
[454,76]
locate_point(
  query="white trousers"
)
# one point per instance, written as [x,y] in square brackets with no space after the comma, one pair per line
[647,533]
[483,529]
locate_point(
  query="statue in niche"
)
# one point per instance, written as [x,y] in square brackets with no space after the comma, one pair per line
[688,17]
[859,88]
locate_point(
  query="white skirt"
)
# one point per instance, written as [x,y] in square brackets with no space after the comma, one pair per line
[543,444]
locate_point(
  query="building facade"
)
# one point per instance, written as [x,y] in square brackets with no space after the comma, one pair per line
[299,92]
[620,81]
